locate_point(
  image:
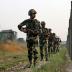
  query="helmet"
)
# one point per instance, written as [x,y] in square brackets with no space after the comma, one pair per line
[49,29]
[53,34]
[31,11]
[42,23]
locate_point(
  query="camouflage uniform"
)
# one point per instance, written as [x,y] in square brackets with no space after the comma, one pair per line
[50,43]
[34,25]
[56,44]
[43,42]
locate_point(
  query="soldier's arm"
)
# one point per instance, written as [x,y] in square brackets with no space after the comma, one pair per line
[20,26]
[39,25]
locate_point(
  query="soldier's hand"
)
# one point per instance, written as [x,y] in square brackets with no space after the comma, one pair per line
[24,30]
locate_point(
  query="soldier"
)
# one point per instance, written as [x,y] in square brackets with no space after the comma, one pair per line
[49,40]
[32,30]
[53,42]
[58,44]
[43,41]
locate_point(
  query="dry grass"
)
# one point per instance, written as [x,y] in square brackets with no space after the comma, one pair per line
[12,46]
[11,53]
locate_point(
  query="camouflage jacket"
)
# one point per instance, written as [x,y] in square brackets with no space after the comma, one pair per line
[43,34]
[30,24]
[50,38]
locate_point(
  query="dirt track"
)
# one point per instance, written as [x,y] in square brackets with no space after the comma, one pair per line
[69,65]
[24,67]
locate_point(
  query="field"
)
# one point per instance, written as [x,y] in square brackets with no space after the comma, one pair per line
[12,54]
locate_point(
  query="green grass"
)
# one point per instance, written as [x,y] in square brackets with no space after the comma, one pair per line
[9,59]
[55,64]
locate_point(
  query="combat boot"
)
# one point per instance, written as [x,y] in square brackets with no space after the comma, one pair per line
[35,61]
[30,63]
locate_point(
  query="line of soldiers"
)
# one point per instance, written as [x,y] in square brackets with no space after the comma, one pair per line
[47,41]
[36,31]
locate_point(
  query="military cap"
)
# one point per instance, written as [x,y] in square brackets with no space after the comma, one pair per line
[49,29]
[53,34]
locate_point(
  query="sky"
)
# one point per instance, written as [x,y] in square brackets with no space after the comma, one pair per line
[55,13]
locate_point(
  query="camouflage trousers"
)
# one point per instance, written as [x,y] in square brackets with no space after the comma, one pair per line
[55,47]
[32,51]
[43,49]
[50,48]
[50,45]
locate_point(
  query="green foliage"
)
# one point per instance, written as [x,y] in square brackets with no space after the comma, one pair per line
[55,62]
[8,59]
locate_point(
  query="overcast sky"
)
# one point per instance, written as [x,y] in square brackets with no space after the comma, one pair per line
[55,13]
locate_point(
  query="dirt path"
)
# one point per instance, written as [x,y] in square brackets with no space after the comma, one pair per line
[68,67]
[24,67]
[21,67]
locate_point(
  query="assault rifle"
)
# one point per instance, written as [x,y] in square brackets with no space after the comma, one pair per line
[26,30]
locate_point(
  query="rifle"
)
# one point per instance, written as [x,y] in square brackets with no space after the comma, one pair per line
[34,32]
